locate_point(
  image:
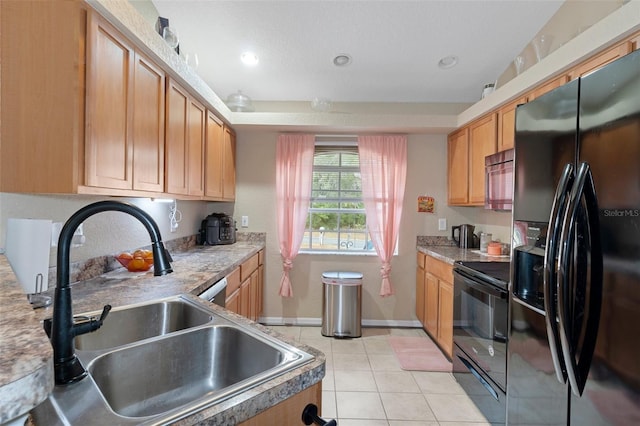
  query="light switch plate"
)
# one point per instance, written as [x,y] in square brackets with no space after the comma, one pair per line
[442,224]
[245,221]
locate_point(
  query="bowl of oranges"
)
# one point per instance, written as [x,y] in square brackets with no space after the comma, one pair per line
[138,261]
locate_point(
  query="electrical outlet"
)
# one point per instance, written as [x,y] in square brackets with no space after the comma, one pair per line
[77,240]
[442,224]
[245,221]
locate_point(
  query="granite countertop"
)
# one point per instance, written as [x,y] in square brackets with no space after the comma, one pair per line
[450,254]
[26,357]
[26,376]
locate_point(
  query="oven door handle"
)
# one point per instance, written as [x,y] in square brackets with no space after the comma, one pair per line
[483,288]
[549,274]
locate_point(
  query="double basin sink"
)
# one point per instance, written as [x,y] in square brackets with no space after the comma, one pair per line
[161,361]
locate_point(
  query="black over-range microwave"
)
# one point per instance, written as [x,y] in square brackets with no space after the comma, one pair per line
[498,194]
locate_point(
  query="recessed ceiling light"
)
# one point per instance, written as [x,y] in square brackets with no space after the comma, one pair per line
[342,60]
[249,58]
[448,62]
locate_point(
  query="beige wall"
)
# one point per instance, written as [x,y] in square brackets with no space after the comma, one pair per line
[105,233]
[426,175]
[111,232]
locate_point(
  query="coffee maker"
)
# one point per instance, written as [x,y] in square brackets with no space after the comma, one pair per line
[465,237]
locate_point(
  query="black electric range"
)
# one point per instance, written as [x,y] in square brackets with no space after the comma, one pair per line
[494,273]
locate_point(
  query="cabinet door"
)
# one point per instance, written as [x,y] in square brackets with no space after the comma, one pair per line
[445,324]
[609,55]
[109,149]
[148,126]
[431,304]
[635,42]
[177,160]
[245,298]
[260,298]
[288,412]
[213,157]
[482,142]
[253,296]
[232,302]
[229,165]
[420,295]
[196,132]
[458,166]
[548,86]
[507,124]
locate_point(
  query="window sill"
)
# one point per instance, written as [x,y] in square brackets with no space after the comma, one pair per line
[339,253]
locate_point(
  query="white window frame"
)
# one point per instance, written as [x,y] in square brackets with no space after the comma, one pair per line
[316,237]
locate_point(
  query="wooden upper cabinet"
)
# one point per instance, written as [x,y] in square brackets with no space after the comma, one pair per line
[635,42]
[458,166]
[467,148]
[109,147]
[229,165]
[148,126]
[176,142]
[548,86]
[482,142]
[125,113]
[507,123]
[602,59]
[213,157]
[196,134]
[43,95]
[185,142]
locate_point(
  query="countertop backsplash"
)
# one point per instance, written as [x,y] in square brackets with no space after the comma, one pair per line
[434,240]
[90,268]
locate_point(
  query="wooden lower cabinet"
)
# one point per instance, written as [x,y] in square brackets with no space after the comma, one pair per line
[434,300]
[245,288]
[289,411]
[431,303]
[232,302]
[445,317]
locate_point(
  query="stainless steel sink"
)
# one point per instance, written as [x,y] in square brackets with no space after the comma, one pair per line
[138,322]
[162,361]
[149,379]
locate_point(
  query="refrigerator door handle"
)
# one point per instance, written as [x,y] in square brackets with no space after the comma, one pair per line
[577,371]
[549,276]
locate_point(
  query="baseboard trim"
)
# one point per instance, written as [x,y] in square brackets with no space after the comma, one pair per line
[317,322]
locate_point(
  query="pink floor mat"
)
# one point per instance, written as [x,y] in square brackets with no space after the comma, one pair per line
[419,354]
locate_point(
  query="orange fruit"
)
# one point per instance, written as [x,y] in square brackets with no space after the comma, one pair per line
[124,259]
[147,255]
[137,264]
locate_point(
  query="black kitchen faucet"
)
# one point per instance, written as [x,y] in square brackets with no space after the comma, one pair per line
[67,366]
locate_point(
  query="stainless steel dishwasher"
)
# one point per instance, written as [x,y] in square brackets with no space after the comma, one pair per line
[217,293]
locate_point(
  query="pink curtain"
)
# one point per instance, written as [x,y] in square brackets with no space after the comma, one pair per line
[294,172]
[383,167]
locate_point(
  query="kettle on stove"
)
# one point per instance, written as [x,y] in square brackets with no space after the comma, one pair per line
[465,236]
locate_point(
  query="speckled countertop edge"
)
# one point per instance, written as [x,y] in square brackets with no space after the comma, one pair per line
[451,254]
[26,357]
[194,271]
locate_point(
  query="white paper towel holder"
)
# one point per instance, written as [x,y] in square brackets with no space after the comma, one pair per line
[27,249]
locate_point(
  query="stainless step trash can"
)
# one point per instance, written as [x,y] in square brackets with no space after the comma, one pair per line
[341,304]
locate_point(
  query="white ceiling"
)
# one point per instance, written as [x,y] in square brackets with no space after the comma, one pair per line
[395,46]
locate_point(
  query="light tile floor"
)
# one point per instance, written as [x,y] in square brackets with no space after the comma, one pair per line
[365,386]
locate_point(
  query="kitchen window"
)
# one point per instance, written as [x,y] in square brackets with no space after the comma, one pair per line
[336,222]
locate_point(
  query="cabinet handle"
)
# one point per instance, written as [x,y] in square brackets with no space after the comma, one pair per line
[310,416]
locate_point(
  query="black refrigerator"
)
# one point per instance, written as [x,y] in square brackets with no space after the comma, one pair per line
[574,337]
